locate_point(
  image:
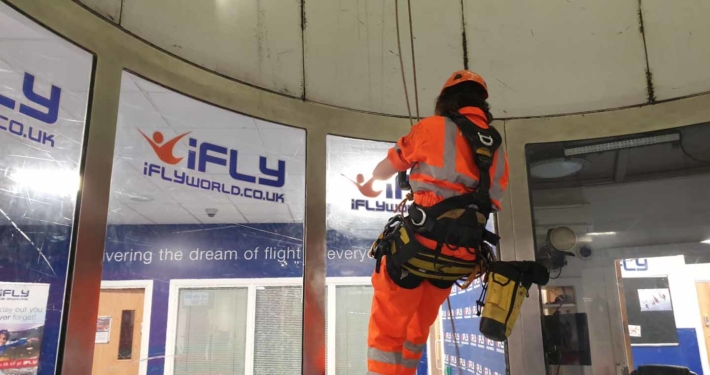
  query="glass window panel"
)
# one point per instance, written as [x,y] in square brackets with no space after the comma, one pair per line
[632,214]
[276,310]
[204,202]
[352,306]
[211,332]
[44,91]
[125,343]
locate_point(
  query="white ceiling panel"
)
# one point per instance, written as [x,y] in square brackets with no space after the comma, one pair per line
[352,56]
[163,213]
[542,58]
[284,141]
[677,36]
[109,9]
[14,26]
[259,42]
[182,111]
[119,213]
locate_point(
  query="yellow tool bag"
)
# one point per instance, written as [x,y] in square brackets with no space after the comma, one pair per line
[506,287]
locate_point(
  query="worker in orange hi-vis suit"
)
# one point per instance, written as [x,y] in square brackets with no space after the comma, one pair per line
[458,176]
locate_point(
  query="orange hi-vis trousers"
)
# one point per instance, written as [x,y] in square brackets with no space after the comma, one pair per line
[399,324]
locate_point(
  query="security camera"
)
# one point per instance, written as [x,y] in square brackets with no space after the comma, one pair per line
[211,212]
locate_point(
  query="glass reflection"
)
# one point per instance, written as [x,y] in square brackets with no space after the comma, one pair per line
[206,216]
[622,224]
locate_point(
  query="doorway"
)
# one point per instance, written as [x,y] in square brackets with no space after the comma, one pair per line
[119,333]
[703,290]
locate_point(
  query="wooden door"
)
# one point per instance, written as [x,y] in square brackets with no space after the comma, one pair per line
[703,290]
[118,347]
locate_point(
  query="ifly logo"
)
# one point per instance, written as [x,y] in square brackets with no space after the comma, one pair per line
[200,156]
[500,345]
[476,283]
[464,338]
[458,337]
[462,362]
[452,359]
[479,368]
[448,336]
[486,371]
[471,365]
[38,107]
[490,342]
[467,312]
[481,340]
[459,313]
[367,189]
[14,293]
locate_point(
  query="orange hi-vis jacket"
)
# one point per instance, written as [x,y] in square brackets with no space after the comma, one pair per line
[443,165]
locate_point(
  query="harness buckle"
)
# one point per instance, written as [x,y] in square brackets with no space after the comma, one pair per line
[420,222]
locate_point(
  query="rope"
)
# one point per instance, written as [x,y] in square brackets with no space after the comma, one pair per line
[401,62]
[414,61]
[401,206]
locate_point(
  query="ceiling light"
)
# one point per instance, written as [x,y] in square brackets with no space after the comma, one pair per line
[140,198]
[48,181]
[601,234]
[557,168]
[618,145]
[706,241]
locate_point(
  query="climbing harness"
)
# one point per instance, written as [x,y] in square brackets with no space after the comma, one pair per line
[459,221]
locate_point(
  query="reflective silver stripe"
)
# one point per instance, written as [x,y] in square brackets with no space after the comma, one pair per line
[446,174]
[414,348]
[448,171]
[442,192]
[410,363]
[496,191]
[378,355]
[451,131]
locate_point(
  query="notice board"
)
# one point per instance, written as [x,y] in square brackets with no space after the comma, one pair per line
[649,307]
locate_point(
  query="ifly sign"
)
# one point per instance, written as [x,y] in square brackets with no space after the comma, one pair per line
[36,107]
[202,154]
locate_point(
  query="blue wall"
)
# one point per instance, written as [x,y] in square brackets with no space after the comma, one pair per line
[685,354]
[21,262]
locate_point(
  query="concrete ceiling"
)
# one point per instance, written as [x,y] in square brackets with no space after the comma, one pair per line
[539,58]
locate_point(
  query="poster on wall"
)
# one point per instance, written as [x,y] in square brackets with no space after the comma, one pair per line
[22,313]
[103,330]
[649,308]
[655,299]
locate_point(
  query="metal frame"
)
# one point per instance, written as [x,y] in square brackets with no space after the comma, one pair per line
[116,50]
[147,286]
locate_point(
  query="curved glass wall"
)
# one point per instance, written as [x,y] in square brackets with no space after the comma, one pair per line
[622,223]
[204,247]
[44,91]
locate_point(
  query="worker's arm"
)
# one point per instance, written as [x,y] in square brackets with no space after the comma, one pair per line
[405,153]
[384,170]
